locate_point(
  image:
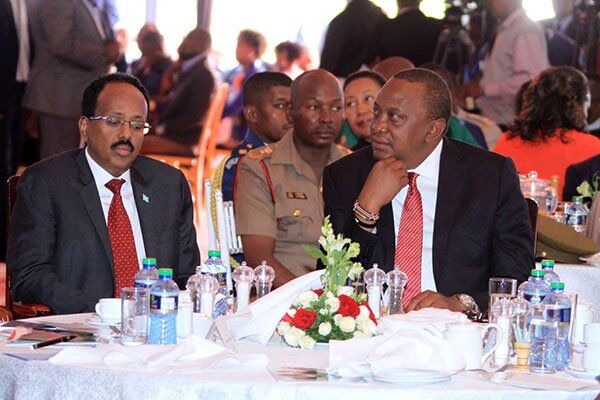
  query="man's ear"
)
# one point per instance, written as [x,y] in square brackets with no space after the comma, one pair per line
[83,127]
[436,130]
[250,113]
[288,113]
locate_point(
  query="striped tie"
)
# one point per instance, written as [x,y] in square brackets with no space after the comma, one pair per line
[410,240]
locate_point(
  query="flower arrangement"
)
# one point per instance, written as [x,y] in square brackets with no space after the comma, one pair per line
[589,189]
[334,312]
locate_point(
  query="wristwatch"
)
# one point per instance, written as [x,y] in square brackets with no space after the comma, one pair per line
[472,309]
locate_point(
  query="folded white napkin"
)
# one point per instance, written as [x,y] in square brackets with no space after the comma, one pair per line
[190,355]
[413,340]
[258,320]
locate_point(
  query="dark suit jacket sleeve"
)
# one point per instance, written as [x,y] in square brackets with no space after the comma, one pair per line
[512,247]
[572,179]
[31,249]
[331,53]
[189,256]
[59,26]
[187,103]
[342,219]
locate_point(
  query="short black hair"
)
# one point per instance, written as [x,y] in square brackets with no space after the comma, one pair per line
[254,39]
[93,90]
[293,50]
[374,76]
[437,101]
[259,83]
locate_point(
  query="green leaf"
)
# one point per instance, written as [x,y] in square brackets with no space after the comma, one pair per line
[313,251]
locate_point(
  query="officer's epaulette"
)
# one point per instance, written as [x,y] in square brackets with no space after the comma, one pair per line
[261,152]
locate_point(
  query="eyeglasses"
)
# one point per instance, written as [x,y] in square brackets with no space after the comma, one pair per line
[115,122]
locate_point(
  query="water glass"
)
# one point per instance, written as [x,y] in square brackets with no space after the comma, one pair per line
[135,314]
[501,288]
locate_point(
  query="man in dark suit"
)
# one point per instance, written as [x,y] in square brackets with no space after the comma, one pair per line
[348,35]
[411,34]
[83,219]
[181,113]
[587,170]
[448,214]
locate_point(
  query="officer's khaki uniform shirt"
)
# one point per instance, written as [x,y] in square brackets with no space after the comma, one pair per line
[297,215]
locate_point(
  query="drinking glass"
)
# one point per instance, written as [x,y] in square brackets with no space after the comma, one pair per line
[501,288]
[573,297]
[135,313]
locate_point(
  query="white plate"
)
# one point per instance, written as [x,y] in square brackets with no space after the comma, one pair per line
[581,374]
[96,321]
[411,376]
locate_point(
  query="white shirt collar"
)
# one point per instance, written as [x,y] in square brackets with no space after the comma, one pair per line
[430,167]
[101,176]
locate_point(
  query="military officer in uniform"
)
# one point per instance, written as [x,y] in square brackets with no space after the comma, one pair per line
[266,98]
[278,193]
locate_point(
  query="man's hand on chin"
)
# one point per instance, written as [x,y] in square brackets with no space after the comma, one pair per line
[432,299]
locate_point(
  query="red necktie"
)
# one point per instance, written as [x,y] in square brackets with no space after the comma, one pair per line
[121,239]
[410,240]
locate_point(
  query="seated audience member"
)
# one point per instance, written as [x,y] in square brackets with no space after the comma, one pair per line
[180,114]
[150,68]
[305,59]
[593,117]
[250,47]
[278,202]
[266,103]
[458,129]
[448,214]
[390,66]
[84,219]
[548,136]
[360,89]
[587,170]
[287,54]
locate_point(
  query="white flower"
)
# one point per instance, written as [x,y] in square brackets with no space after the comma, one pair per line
[324,311]
[355,270]
[347,324]
[360,334]
[324,328]
[329,295]
[304,299]
[364,312]
[354,250]
[333,304]
[347,290]
[293,336]
[306,342]
[283,327]
[291,312]
[367,326]
[322,241]
[337,318]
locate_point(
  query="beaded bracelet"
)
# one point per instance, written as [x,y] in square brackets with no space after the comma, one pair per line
[364,214]
[364,224]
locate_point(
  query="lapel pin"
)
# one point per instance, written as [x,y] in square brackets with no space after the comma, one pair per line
[145,198]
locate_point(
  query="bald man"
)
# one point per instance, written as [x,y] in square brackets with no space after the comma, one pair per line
[277,194]
[392,65]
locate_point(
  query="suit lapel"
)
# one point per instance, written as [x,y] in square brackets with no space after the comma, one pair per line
[144,202]
[450,185]
[91,201]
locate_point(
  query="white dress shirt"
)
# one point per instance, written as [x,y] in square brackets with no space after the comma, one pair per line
[427,183]
[102,177]
[19,10]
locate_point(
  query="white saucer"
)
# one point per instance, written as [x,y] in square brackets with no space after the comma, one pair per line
[97,321]
[582,374]
[411,376]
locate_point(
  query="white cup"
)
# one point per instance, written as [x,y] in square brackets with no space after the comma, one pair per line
[591,334]
[467,338]
[109,310]
[591,358]
[584,314]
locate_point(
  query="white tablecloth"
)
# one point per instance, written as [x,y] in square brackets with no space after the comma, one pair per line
[584,280]
[30,380]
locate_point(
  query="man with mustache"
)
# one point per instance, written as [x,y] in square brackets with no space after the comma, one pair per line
[85,218]
[278,202]
[448,214]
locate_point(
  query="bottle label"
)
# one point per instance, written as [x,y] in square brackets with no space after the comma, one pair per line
[163,304]
[142,284]
[562,315]
[534,298]
[573,219]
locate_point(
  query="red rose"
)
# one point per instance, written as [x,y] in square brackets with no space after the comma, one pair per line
[304,319]
[371,315]
[348,307]
[319,292]
[287,318]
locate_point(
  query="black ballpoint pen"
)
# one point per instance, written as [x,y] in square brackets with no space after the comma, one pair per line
[53,341]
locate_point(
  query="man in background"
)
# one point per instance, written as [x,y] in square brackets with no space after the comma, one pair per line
[287,55]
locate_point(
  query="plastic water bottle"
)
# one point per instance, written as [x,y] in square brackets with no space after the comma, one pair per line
[559,304]
[576,214]
[192,287]
[536,288]
[544,338]
[551,276]
[148,275]
[164,296]
[214,267]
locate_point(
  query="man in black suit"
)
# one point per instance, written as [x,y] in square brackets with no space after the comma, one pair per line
[411,34]
[587,170]
[83,219]
[466,219]
[348,35]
